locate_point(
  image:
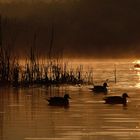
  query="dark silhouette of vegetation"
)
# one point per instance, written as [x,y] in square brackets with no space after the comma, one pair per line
[52,70]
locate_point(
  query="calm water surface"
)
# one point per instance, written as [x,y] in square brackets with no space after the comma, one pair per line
[25,114]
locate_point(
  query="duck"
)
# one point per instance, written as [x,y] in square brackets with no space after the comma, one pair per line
[116,99]
[99,88]
[59,101]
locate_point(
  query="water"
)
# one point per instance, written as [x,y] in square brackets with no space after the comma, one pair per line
[25,114]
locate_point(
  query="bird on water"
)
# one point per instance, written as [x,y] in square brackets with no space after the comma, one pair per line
[116,99]
[59,101]
[99,88]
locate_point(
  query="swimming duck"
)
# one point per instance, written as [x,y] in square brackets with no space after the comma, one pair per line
[59,101]
[116,99]
[98,89]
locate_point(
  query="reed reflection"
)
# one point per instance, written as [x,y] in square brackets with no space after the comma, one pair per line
[2,111]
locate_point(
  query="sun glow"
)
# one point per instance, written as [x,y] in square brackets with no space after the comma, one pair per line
[137,69]
[138,76]
[136,62]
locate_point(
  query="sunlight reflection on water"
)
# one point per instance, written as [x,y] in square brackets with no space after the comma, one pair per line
[25,114]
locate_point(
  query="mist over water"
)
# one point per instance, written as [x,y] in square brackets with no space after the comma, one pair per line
[71,29]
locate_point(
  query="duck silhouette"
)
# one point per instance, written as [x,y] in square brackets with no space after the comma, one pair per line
[116,99]
[99,88]
[59,101]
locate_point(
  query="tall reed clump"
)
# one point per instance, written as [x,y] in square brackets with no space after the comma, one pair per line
[52,70]
[5,59]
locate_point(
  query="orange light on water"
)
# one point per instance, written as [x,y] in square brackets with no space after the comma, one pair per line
[136,61]
[138,83]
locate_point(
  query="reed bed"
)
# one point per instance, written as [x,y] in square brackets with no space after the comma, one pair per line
[51,70]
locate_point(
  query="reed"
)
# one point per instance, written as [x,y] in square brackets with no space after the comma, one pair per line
[33,72]
[115,73]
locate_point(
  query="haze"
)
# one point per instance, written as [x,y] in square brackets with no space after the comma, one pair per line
[82,28]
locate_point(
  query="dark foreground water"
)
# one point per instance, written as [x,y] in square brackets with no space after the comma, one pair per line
[25,114]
